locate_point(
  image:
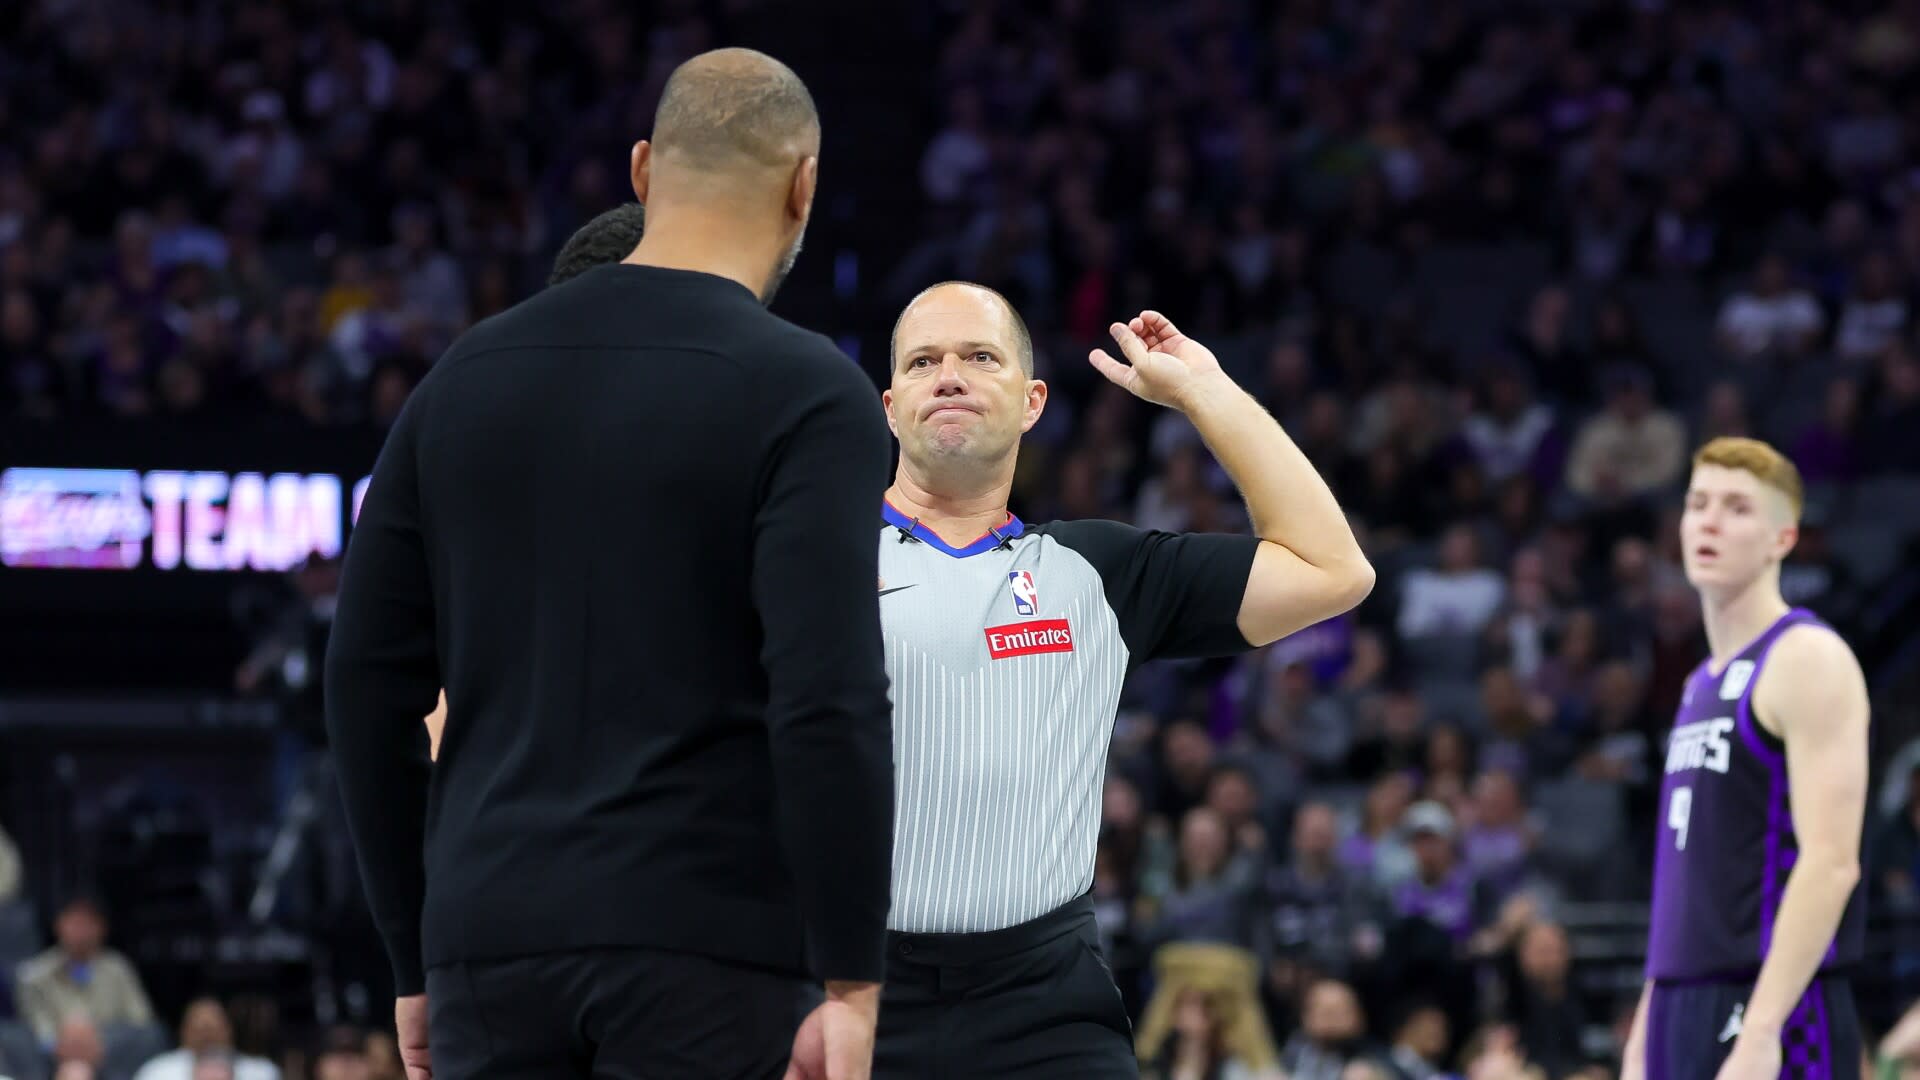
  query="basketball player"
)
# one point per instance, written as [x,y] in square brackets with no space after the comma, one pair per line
[1007,644]
[1756,907]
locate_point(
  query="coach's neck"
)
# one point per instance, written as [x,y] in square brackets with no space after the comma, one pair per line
[722,211]
[957,508]
[709,241]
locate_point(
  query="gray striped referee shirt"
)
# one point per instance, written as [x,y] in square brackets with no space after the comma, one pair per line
[1006,658]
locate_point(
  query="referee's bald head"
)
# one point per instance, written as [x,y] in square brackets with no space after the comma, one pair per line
[1019,340]
[961,392]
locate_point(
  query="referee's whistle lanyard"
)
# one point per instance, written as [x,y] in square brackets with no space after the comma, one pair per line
[908,530]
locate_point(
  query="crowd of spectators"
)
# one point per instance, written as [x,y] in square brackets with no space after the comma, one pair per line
[284,212]
[1343,855]
[83,1014]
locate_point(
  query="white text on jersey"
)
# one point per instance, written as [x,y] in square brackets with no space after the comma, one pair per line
[1700,745]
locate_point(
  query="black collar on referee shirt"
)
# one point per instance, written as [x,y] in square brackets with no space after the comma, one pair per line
[911,529]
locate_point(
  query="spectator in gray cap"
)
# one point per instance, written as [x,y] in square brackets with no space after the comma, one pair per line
[1441,890]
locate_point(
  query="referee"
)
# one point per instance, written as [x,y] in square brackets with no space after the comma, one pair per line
[1007,644]
[623,524]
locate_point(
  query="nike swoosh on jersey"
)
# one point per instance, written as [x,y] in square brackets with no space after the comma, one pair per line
[895,589]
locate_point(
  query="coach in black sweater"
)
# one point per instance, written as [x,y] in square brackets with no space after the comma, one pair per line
[628,525]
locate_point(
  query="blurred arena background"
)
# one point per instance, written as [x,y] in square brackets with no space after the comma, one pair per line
[1497,266]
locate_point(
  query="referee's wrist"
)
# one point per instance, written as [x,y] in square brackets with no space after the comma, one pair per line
[1208,393]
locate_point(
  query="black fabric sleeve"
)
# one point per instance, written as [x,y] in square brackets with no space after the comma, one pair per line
[1177,595]
[815,564]
[382,678]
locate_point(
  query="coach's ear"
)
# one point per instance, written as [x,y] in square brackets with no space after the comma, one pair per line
[886,406]
[1036,404]
[640,170]
[806,180]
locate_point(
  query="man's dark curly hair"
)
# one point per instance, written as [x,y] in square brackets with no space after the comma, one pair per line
[606,239]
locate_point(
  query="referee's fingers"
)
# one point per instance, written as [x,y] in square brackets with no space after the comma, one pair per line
[1130,344]
[1116,372]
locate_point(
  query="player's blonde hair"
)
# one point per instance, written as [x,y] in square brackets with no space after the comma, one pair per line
[1768,465]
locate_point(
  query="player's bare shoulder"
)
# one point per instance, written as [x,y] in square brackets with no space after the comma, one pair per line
[1813,678]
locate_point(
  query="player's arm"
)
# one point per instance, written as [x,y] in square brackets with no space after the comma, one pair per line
[1633,1056]
[1813,695]
[815,559]
[1308,566]
[382,676]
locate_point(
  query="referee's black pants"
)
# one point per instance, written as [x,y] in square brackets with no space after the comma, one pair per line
[617,1014]
[1034,1000]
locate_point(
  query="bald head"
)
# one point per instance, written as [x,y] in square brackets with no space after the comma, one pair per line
[962,391]
[729,176]
[1018,339]
[732,111]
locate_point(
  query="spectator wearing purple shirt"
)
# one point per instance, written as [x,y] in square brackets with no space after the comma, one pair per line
[1376,850]
[1828,452]
[1497,847]
[1441,890]
[1510,433]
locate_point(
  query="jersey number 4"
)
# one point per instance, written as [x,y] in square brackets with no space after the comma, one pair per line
[1679,812]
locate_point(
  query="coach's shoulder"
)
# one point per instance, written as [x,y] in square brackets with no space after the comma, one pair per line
[514,327]
[805,363]
[799,348]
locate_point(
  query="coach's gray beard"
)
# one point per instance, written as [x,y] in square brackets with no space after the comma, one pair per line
[786,267]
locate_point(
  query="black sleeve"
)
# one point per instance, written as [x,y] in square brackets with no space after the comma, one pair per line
[815,565]
[382,679]
[1177,595]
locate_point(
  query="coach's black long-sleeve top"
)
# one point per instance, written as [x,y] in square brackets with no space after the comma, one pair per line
[629,525]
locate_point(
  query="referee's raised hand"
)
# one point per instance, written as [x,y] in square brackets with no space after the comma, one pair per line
[835,1042]
[1162,365]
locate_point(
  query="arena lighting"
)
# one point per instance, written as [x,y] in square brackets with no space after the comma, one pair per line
[165,519]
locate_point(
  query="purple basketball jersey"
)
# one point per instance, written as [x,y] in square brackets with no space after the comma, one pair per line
[1726,840]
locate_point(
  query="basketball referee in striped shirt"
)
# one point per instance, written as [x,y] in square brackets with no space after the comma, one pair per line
[1007,643]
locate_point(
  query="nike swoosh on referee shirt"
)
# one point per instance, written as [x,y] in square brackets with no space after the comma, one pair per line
[895,589]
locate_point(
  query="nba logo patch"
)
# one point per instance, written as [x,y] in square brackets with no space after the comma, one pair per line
[1026,598]
[1735,682]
